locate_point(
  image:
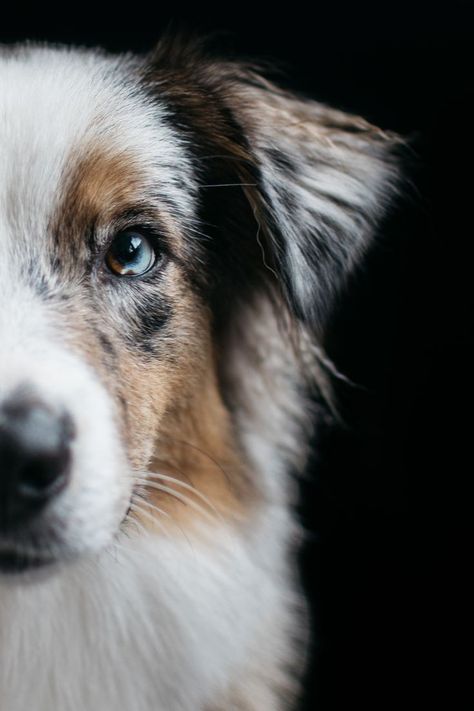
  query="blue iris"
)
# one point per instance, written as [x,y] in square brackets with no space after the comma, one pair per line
[130,254]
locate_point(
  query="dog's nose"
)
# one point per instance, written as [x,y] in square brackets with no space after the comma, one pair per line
[35,454]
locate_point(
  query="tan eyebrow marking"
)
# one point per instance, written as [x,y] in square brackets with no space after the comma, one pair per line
[101,184]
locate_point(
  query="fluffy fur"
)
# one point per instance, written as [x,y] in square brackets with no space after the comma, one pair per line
[170,582]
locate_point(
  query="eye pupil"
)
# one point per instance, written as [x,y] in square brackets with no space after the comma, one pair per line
[130,254]
[126,247]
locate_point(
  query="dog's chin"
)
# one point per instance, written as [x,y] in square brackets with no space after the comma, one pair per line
[21,566]
[16,566]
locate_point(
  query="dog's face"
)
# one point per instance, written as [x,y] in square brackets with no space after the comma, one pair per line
[143,203]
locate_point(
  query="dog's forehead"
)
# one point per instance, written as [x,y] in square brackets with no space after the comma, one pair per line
[62,110]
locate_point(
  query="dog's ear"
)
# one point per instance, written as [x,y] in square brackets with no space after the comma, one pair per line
[315,180]
[324,181]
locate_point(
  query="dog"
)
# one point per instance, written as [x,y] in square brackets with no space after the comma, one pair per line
[175,229]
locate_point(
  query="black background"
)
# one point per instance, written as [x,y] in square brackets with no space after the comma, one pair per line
[387,505]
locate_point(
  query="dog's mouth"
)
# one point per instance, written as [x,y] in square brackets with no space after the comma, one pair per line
[14,562]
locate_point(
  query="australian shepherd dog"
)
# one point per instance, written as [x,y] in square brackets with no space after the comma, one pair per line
[174,229]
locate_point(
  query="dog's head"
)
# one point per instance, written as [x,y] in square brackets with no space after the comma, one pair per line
[150,209]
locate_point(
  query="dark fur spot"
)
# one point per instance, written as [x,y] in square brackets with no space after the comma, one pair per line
[56,263]
[37,280]
[124,406]
[149,318]
[43,288]
[107,345]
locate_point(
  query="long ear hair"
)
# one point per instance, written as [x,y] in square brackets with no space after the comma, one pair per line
[291,190]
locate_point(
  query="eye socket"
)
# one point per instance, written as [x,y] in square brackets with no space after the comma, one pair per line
[130,254]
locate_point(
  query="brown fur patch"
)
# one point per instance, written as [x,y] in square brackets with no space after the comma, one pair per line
[98,183]
[100,186]
[196,446]
[102,182]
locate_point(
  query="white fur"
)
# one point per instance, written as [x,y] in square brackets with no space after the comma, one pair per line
[152,624]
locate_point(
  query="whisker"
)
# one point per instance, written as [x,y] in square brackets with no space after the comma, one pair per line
[143,500]
[201,451]
[138,509]
[184,485]
[153,507]
[180,497]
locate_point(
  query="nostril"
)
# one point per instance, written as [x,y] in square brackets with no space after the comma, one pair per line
[44,474]
[35,457]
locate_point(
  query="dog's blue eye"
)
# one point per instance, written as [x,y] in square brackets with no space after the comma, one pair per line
[130,254]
